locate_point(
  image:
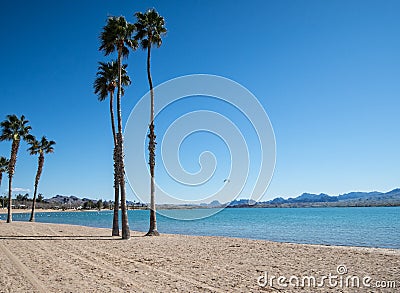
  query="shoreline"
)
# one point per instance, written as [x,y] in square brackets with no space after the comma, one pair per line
[362,245]
[52,257]
[142,234]
[168,207]
[26,211]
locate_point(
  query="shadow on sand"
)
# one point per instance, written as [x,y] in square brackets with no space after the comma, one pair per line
[62,237]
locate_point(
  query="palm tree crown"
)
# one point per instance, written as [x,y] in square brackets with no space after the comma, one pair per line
[107,79]
[117,36]
[150,28]
[4,162]
[43,146]
[14,128]
[3,165]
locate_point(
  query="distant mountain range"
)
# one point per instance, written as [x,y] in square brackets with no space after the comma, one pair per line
[391,198]
[361,199]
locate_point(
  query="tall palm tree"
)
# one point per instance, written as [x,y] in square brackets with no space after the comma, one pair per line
[117,37]
[40,148]
[104,86]
[3,167]
[14,129]
[150,28]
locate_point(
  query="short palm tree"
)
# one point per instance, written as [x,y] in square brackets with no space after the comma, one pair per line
[104,86]
[3,167]
[117,37]
[150,28]
[40,148]
[14,129]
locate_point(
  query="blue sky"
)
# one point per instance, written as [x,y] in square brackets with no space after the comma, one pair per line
[326,72]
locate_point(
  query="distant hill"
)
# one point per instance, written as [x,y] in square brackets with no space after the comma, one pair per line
[391,198]
[63,199]
[240,202]
[74,201]
[69,201]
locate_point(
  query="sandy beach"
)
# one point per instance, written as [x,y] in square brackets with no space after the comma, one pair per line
[26,211]
[38,257]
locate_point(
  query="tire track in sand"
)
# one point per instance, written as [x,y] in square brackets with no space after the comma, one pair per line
[146,267]
[23,269]
[103,266]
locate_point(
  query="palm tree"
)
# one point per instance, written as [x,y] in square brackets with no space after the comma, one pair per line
[14,129]
[104,85]
[150,28]
[3,167]
[40,148]
[117,37]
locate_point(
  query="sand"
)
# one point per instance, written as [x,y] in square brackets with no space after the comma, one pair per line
[37,257]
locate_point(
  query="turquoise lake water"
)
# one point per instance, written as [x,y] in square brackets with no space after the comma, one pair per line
[370,227]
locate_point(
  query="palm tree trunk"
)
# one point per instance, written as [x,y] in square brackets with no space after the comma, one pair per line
[1,177]
[11,170]
[124,214]
[112,117]
[115,229]
[152,151]
[38,174]
[9,211]
[125,225]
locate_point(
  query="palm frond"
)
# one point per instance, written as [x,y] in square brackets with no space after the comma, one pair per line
[150,27]
[43,146]
[4,162]
[34,146]
[107,78]
[14,128]
[117,34]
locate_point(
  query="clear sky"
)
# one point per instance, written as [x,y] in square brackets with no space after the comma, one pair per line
[326,72]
